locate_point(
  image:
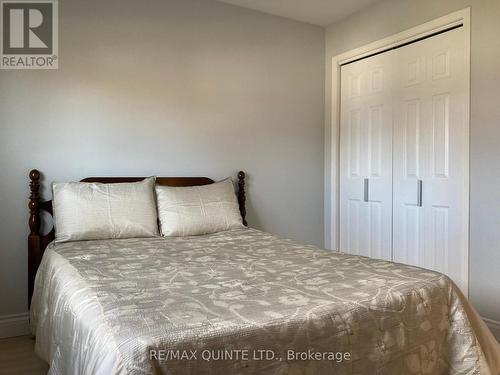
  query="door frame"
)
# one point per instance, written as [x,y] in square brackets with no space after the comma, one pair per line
[461,17]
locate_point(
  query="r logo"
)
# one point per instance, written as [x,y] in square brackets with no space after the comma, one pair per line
[29,34]
[27,28]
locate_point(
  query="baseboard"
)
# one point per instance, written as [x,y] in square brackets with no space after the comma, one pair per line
[14,325]
[494,327]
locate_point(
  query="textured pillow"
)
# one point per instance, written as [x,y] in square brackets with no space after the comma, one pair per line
[94,211]
[189,211]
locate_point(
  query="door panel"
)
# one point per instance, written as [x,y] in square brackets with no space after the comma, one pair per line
[408,251]
[403,131]
[354,142]
[366,154]
[440,135]
[412,129]
[430,134]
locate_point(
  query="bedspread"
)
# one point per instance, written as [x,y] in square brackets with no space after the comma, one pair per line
[246,302]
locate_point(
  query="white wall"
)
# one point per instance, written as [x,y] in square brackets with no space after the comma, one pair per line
[392,16]
[177,87]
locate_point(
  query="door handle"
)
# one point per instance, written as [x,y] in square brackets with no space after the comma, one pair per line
[365,194]
[419,193]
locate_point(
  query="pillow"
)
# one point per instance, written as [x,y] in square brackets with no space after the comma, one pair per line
[194,210]
[96,211]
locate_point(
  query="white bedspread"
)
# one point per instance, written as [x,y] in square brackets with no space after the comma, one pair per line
[99,307]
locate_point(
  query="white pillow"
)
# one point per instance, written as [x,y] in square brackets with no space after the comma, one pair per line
[94,211]
[194,210]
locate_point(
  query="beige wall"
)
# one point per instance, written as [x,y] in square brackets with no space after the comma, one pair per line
[392,16]
[177,87]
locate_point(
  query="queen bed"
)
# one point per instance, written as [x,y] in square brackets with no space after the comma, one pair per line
[242,301]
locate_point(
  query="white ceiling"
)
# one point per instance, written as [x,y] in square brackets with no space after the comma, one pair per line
[317,12]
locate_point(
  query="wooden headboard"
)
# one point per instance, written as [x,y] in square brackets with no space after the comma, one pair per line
[37,242]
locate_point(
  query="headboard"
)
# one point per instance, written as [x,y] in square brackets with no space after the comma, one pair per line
[37,242]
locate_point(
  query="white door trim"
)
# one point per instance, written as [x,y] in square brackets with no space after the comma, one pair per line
[461,17]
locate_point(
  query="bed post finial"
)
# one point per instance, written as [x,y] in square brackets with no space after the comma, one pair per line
[34,249]
[34,221]
[241,196]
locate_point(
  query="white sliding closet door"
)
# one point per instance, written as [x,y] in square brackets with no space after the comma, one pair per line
[431,155]
[366,157]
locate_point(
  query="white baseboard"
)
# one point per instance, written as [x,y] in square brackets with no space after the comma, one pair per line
[14,325]
[494,327]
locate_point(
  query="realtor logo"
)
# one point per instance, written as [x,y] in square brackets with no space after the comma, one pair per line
[29,34]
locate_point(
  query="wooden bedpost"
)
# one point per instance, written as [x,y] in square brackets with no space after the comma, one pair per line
[241,196]
[34,249]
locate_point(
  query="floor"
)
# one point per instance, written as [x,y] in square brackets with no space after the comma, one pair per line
[18,358]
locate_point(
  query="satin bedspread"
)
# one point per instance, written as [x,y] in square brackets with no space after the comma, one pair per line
[135,306]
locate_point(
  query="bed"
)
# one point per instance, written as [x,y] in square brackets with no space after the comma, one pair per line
[243,301]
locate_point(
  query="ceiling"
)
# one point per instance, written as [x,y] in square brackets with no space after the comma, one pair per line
[317,12]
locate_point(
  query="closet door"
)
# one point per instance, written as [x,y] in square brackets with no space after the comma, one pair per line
[366,157]
[431,155]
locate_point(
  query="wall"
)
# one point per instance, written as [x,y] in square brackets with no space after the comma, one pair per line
[392,16]
[178,87]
